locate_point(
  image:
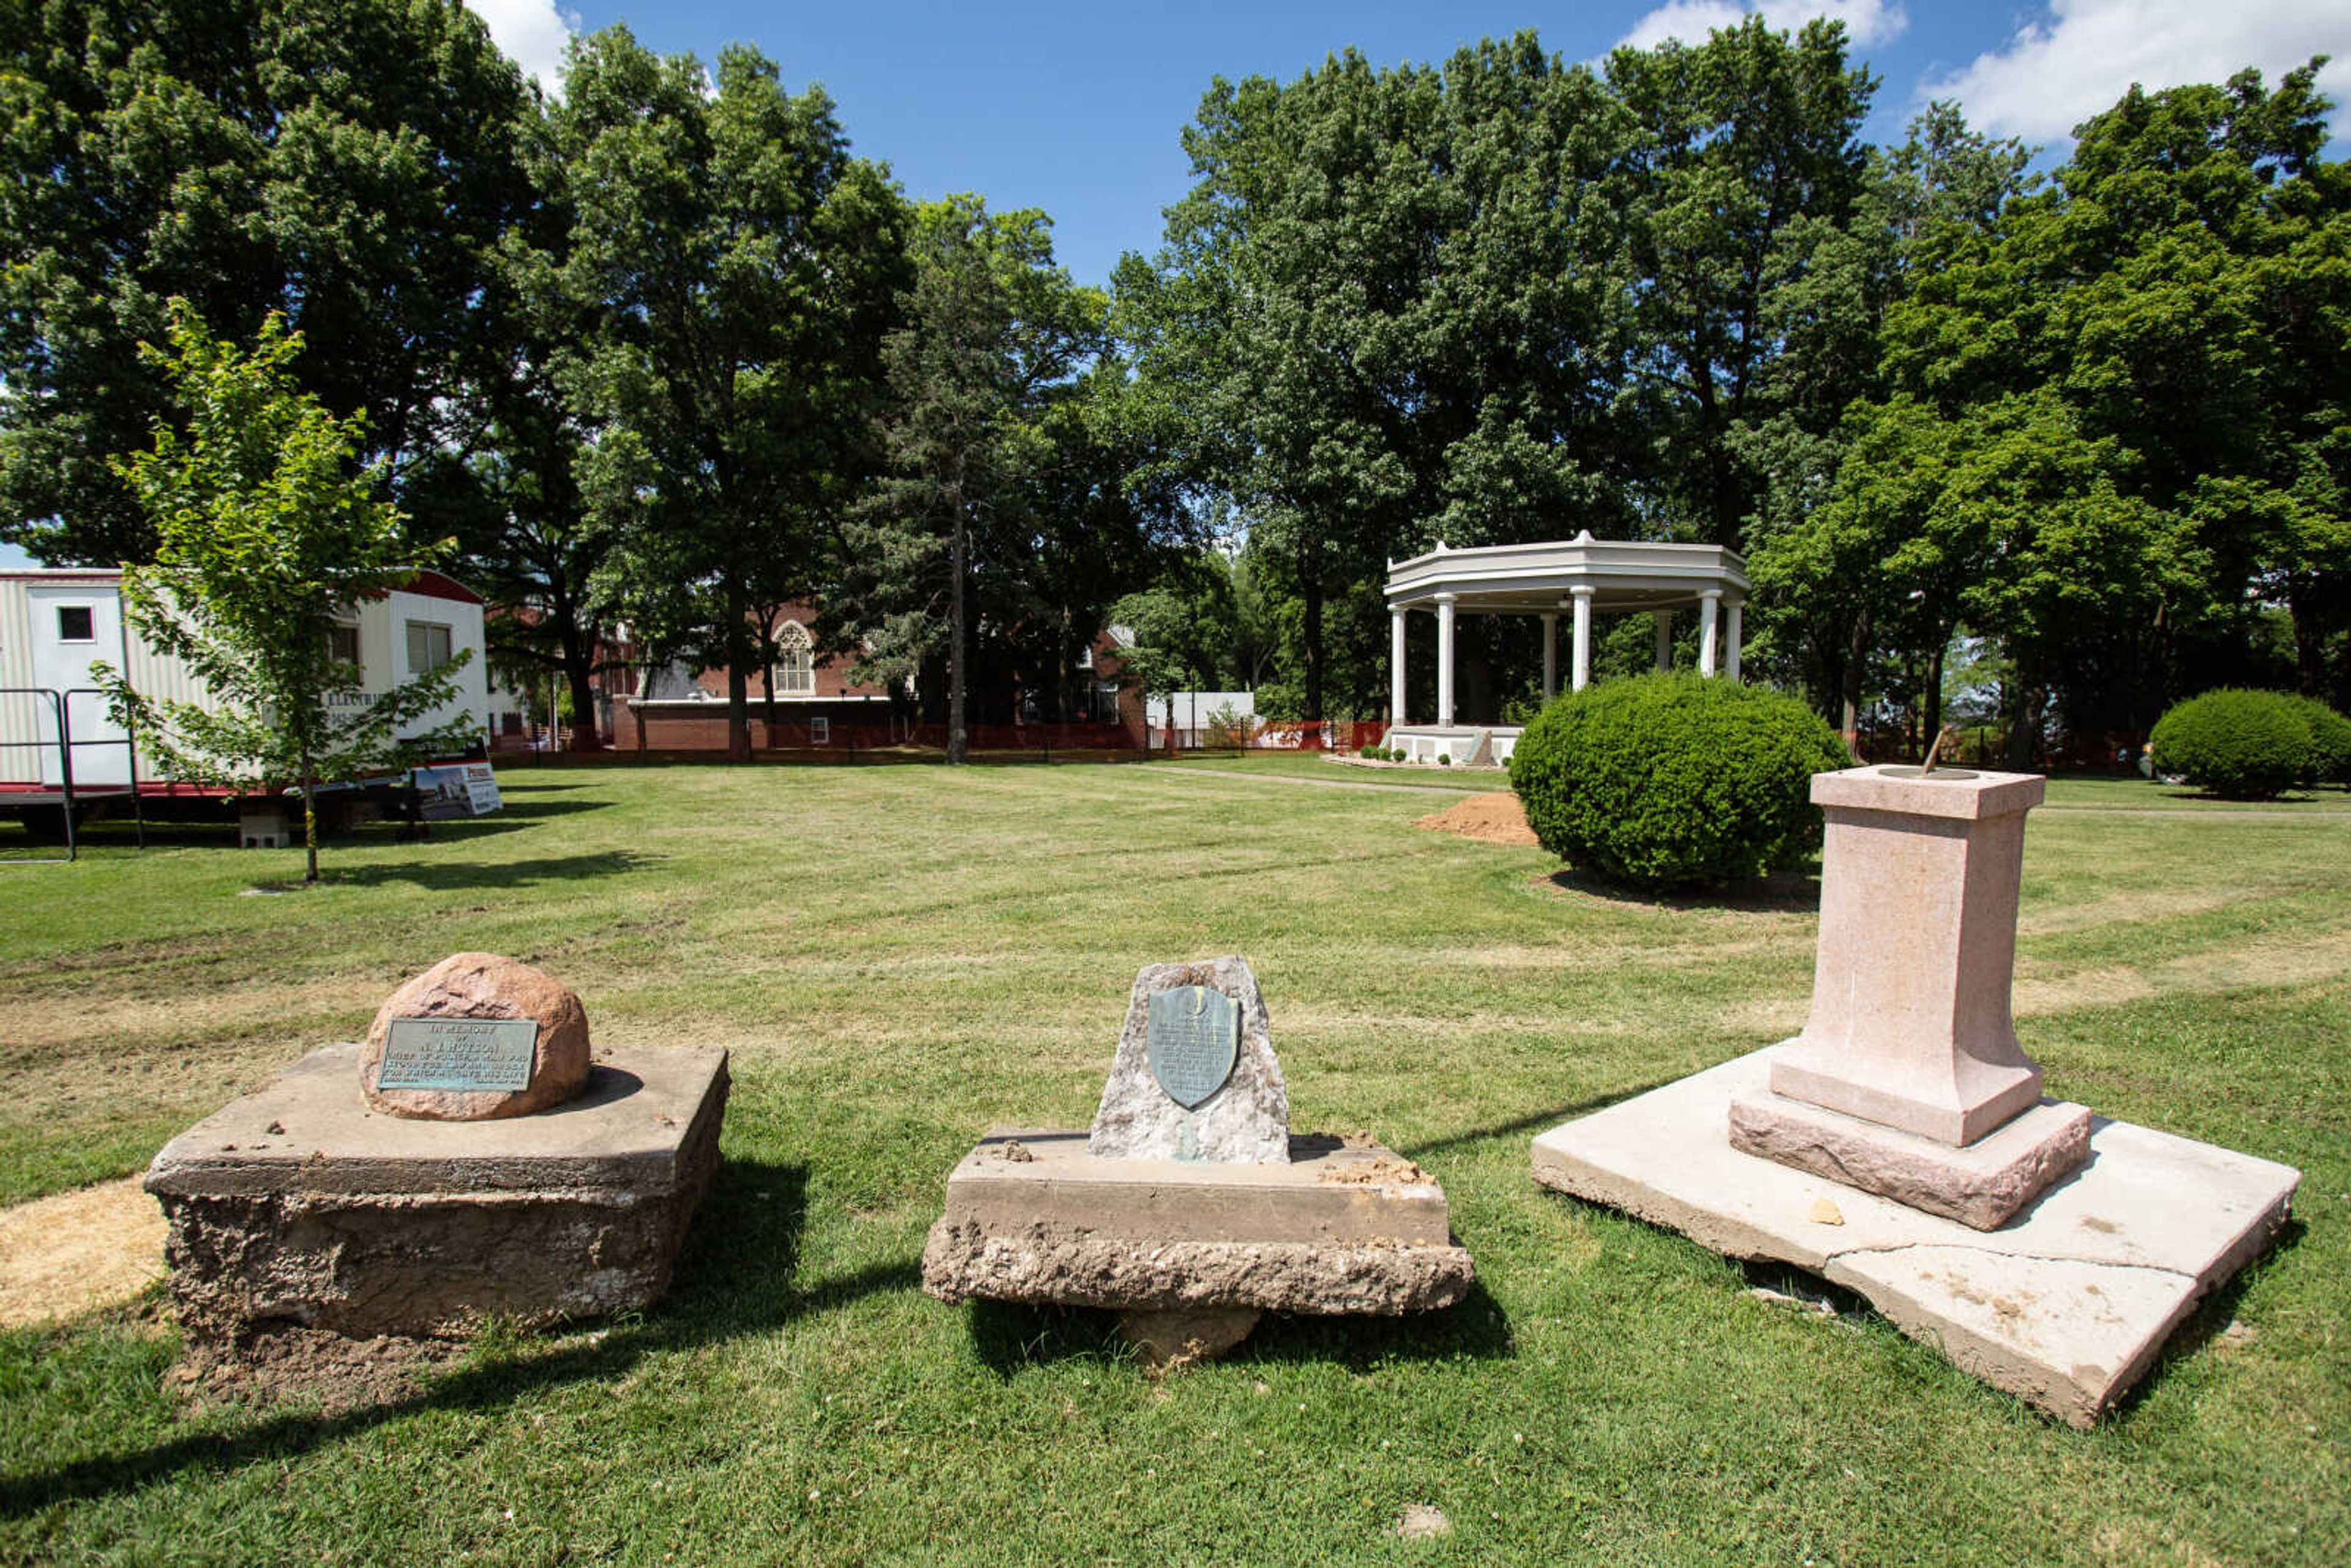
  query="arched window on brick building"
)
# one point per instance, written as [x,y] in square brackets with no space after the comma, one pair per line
[795,661]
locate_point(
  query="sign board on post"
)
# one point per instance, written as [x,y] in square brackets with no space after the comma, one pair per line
[459,790]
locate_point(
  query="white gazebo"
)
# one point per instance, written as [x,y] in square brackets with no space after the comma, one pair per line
[1575,577]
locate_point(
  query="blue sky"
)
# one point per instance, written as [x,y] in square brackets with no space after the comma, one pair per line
[1076,108]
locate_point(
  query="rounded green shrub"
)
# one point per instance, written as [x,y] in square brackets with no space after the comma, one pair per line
[2239,744]
[1669,780]
[2330,743]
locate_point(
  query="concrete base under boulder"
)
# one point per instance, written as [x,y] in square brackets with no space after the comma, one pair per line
[297,1205]
[2066,1307]
[1346,1226]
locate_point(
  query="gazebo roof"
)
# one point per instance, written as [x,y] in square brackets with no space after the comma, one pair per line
[1532,579]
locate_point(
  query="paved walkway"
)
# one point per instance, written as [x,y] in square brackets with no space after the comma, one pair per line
[1502,782]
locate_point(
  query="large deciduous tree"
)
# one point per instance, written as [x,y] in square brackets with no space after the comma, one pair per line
[739,271]
[347,163]
[2162,331]
[268,533]
[1393,309]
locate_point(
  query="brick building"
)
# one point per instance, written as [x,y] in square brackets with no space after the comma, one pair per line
[809,700]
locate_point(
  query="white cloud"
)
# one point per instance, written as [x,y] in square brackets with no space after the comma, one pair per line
[532,32]
[1865,21]
[2053,74]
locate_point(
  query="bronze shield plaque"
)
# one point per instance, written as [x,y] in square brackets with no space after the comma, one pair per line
[1193,1039]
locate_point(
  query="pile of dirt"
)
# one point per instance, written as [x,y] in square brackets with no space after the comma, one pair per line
[71,1253]
[1495,819]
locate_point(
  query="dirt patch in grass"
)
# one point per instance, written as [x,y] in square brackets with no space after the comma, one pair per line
[1493,819]
[71,1253]
[37,1020]
[286,1363]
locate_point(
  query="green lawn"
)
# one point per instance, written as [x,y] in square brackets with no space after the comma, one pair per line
[899,955]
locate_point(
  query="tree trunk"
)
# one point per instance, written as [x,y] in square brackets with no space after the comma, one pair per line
[578,671]
[957,671]
[2024,721]
[738,680]
[1855,658]
[643,691]
[2303,601]
[1932,697]
[309,819]
[1309,591]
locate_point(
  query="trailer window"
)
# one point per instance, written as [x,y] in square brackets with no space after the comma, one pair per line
[428,647]
[73,624]
[343,643]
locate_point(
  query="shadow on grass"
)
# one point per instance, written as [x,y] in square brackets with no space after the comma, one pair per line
[2211,1318]
[1781,892]
[1534,1120]
[736,1277]
[1011,1336]
[504,873]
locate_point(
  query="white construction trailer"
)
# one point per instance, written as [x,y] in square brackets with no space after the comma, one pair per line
[58,746]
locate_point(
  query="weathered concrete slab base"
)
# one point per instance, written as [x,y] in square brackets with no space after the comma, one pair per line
[1345,1227]
[298,1203]
[1982,1185]
[2066,1307]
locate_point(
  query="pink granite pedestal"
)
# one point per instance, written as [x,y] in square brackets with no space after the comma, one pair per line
[1907,1080]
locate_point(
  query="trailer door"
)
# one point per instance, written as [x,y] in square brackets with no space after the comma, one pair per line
[73,624]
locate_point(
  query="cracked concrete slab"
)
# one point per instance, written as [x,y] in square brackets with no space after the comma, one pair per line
[2066,1307]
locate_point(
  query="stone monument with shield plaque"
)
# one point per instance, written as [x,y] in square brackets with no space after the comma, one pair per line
[1190,1207]
[475,1157]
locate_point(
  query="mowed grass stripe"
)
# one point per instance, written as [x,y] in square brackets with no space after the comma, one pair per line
[898,955]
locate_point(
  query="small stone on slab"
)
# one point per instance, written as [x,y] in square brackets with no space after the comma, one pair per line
[480,989]
[2067,1307]
[1982,1185]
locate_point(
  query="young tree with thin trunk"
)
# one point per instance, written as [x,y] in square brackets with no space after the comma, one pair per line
[267,535]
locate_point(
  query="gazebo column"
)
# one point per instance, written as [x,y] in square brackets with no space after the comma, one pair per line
[1582,676]
[1731,644]
[1395,666]
[1550,655]
[1445,659]
[1665,641]
[1709,604]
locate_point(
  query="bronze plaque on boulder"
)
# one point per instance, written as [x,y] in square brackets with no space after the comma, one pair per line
[1195,1037]
[458,1053]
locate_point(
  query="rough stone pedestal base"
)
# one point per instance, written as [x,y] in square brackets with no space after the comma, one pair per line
[1170,1339]
[1981,1184]
[1342,1227]
[2065,1308]
[298,1203]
